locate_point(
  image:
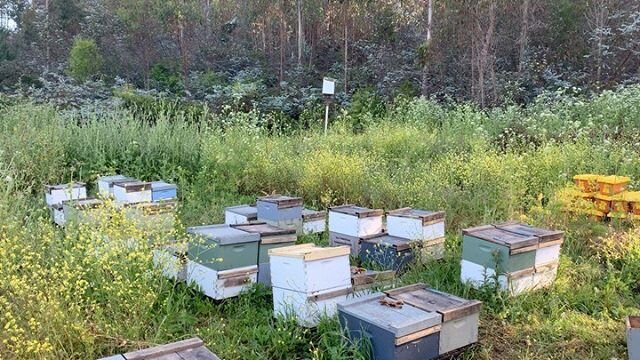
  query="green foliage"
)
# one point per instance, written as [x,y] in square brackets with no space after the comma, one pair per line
[166,78]
[85,60]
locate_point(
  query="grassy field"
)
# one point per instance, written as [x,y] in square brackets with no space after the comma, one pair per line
[63,295]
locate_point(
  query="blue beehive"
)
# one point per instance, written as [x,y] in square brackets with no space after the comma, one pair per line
[394,330]
[279,208]
[387,252]
[161,190]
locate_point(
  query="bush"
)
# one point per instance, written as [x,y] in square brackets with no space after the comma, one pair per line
[85,60]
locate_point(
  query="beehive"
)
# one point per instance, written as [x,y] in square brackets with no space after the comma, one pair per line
[362,279]
[221,284]
[162,191]
[240,214]
[132,192]
[280,210]
[271,237]
[587,183]
[459,316]
[154,217]
[415,224]
[495,248]
[313,221]
[57,214]
[549,241]
[514,283]
[633,199]
[337,239]
[633,337]
[355,221]
[308,308]
[83,211]
[394,330]
[57,194]
[105,184]
[612,185]
[221,247]
[386,252]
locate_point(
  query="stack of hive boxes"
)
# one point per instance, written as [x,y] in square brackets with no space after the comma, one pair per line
[309,281]
[412,322]
[519,257]
[609,195]
[349,224]
[56,195]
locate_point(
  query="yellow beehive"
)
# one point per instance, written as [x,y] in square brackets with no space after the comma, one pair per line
[612,185]
[633,201]
[605,203]
[587,183]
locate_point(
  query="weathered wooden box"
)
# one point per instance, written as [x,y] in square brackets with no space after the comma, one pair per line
[221,284]
[612,185]
[161,191]
[221,247]
[314,221]
[353,242]
[415,224]
[172,261]
[633,337]
[549,241]
[105,184]
[83,211]
[241,214]
[514,283]
[459,316]
[355,221]
[271,237]
[395,331]
[386,252]
[190,349]
[308,308]
[57,194]
[363,279]
[499,249]
[308,268]
[132,192]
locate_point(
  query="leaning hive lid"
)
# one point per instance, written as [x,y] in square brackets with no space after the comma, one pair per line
[161,185]
[501,237]
[73,185]
[263,229]
[223,234]
[309,252]
[358,211]
[544,235]
[587,177]
[400,320]
[424,215]
[283,201]
[308,214]
[614,180]
[384,240]
[449,306]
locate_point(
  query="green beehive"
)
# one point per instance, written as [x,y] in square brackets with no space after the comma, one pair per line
[221,247]
[496,248]
[271,237]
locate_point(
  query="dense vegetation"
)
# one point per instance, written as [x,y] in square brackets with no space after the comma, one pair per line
[63,296]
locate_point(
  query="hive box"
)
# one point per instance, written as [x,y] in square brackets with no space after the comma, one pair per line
[161,190]
[308,268]
[132,192]
[280,210]
[362,279]
[587,183]
[403,332]
[416,224]
[612,185]
[83,211]
[549,241]
[353,242]
[57,214]
[355,221]
[308,308]
[221,284]
[633,337]
[495,248]
[387,252]
[221,247]
[57,194]
[190,349]
[172,261]
[271,237]
[153,218]
[105,184]
[313,221]
[459,316]
[514,283]
[427,250]
[240,214]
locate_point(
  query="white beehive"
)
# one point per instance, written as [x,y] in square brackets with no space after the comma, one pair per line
[313,221]
[355,221]
[550,241]
[241,214]
[223,284]
[105,184]
[132,192]
[414,224]
[308,309]
[308,268]
[57,194]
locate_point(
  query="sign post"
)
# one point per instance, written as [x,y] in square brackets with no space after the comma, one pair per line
[328,90]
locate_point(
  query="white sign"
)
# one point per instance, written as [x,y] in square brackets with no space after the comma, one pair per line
[328,86]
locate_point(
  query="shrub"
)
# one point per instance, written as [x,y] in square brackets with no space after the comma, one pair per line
[85,60]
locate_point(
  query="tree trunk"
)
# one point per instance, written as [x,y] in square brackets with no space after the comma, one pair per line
[524,35]
[300,32]
[282,42]
[425,65]
[346,47]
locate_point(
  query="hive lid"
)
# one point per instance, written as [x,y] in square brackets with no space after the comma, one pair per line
[223,234]
[73,185]
[310,252]
[614,180]
[545,235]
[401,321]
[282,201]
[449,306]
[263,229]
[308,214]
[89,203]
[384,240]
[115,178]
[358,211]
[360,276]
[161,185]
[631,196]
[587,177]
[244,209]
[424,215]
[133,186]
[502,237]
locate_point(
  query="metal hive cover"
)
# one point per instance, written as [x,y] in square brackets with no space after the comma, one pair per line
[522,229]
[424,215]
[502,237]
[358,211]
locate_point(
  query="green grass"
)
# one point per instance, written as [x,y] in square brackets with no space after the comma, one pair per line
[477,166]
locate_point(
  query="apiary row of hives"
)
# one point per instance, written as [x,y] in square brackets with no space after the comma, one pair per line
[607,196]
